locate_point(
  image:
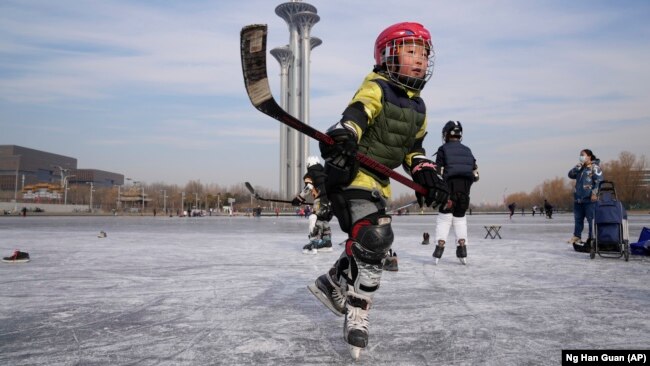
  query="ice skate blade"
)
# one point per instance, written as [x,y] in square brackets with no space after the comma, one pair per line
[435,260]
[325,250]
[355,352]
[312,252]
[323,299]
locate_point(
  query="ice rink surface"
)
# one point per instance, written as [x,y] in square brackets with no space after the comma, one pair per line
[232,291]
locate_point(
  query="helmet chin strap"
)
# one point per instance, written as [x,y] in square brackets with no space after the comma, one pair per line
[411,82]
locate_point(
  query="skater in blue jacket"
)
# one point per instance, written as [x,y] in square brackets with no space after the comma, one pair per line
[588,176]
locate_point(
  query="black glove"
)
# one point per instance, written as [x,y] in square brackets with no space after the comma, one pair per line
[425,173]
[342,154]
[297,201]
[341,164]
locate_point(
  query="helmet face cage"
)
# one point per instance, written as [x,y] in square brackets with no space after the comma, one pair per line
[420,55]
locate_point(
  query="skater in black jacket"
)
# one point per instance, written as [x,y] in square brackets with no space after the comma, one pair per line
[548,209]
[511,208]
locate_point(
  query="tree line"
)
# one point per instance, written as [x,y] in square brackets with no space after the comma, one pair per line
[626,172]
[173,197]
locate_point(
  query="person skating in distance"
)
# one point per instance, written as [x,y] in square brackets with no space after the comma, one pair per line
[320,233]
[459,171]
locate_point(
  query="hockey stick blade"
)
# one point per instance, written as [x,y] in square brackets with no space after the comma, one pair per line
[250,188]
[257,196]
[253,61]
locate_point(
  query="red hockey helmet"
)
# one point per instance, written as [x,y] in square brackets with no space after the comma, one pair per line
[397,32]
[398,35]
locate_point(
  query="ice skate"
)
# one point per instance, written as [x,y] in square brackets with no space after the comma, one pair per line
[390,262]
[355,327]
[329,293]
[324,245]
[437,253]
[17,257]
[461,252]
[309,249]
[425,239]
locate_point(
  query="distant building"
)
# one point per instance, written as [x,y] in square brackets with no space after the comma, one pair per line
[98,177]
[43,192]
[134,199]
[35,166]
[21,166]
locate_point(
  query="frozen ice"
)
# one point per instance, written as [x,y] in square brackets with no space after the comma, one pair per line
[233,291]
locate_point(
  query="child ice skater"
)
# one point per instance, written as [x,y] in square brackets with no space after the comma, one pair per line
[386,120]
[460,171]
[320,233]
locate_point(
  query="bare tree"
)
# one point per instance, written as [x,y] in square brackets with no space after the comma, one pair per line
[626,173]
[558,192]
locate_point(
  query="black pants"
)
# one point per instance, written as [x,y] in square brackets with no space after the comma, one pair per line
[459,195]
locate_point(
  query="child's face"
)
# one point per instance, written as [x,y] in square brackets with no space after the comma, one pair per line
[413,59]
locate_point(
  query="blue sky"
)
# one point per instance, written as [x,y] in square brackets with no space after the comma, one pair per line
[153,89]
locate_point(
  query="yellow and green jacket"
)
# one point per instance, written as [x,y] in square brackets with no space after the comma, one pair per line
[393,132]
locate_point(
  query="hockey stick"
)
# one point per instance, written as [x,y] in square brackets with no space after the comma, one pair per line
[253,61]
[405,206]
[258,197]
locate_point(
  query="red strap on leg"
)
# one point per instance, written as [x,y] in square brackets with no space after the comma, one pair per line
[353,235]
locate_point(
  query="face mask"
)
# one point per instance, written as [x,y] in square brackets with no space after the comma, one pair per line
[582,158]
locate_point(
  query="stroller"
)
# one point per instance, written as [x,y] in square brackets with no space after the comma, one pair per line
[611,235]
